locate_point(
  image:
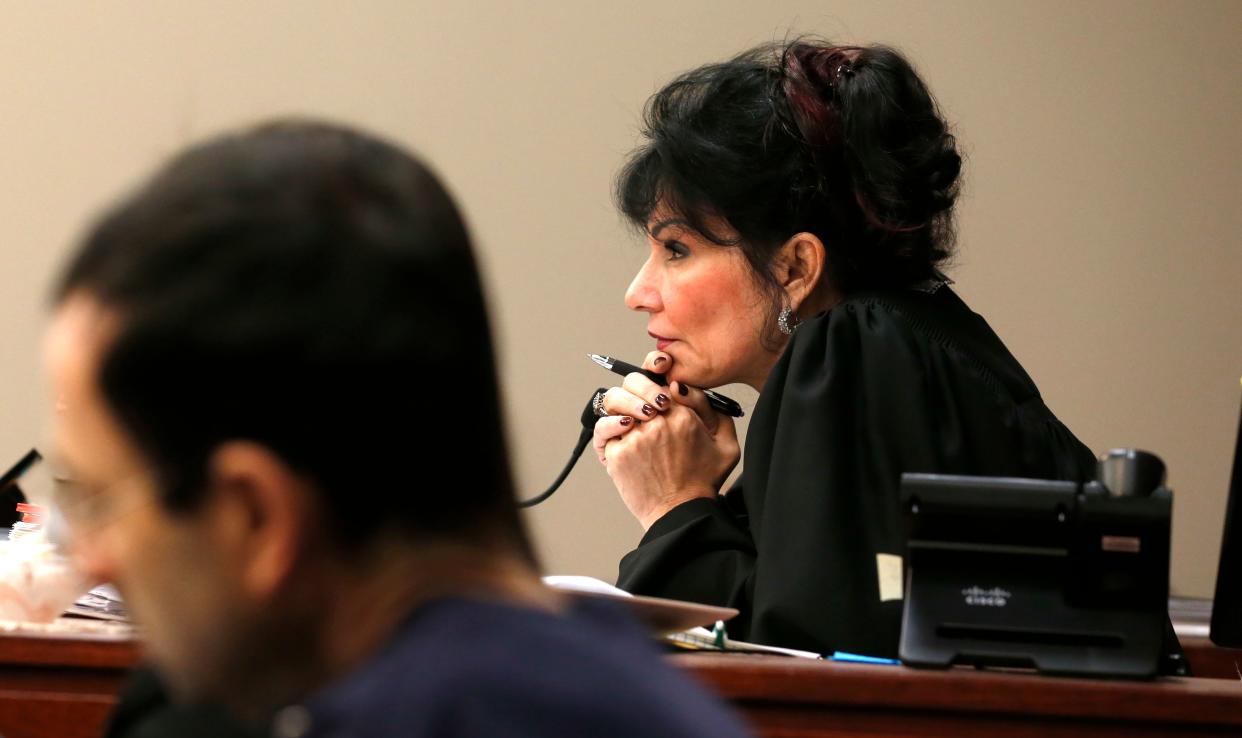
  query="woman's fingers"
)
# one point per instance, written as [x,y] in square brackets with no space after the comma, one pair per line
[626,401]
[652,398]
[607,429]
[658,362]
[638,396]
[693,398]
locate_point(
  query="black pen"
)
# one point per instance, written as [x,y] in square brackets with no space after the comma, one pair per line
[719,402]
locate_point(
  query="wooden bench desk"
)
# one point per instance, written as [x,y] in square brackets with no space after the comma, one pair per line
[64,688]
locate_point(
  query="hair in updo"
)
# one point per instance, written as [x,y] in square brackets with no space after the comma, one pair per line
[844,142]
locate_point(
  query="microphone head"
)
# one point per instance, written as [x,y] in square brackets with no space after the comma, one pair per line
[588,413]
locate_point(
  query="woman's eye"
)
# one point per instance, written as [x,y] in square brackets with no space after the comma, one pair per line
[676,250]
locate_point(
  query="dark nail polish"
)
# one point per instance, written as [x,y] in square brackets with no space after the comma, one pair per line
[683,389]
[626,420]
[659,360]
[648,410]
[661,399]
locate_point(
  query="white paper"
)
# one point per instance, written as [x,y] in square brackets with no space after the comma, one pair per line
[888,568]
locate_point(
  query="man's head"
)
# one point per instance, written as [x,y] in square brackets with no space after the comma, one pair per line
[278,344]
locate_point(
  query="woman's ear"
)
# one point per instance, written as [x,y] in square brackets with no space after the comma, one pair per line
[799,267]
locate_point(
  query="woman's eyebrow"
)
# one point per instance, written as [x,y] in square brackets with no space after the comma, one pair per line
[655,230]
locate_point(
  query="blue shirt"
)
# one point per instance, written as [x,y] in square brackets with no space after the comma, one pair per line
[462,668]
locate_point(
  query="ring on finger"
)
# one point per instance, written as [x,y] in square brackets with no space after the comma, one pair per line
[597,405]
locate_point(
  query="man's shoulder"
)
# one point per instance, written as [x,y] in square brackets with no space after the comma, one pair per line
[471,669]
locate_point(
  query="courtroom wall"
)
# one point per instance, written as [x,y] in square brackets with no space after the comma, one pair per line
[1099,221]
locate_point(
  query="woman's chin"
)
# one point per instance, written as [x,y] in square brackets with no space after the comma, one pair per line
[694,379]
[684,377]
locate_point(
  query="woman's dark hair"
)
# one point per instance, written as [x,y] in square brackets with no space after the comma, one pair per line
[843,142]
[305,286]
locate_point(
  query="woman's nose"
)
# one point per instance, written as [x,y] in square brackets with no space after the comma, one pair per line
[643,294]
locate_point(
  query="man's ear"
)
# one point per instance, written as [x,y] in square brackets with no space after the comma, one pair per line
[262,512]
[799,266]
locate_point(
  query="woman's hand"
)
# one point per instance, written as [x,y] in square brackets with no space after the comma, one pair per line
[663,446]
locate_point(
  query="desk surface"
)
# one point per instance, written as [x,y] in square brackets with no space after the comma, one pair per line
[792,697]
[65,687]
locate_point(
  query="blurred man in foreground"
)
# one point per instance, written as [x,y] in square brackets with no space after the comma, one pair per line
[283,424]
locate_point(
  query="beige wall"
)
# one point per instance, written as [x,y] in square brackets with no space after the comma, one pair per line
[1099,224]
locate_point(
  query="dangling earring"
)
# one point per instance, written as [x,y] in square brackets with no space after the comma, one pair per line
[786,321]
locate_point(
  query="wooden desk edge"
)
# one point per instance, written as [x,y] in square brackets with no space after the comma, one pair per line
[39,650]
[825,684]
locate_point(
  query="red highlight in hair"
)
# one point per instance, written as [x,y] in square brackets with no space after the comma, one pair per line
[810,85]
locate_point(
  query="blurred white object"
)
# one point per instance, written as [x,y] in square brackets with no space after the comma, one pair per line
[37,582]
[659,615]
[76,628]
[21,529]
[101,603]
[575,583]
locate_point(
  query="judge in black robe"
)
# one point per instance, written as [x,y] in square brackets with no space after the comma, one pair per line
[805,182]
[884,383]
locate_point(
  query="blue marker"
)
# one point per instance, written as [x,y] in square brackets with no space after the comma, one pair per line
[854,658]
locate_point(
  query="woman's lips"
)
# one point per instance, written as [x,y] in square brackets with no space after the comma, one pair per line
[661,342]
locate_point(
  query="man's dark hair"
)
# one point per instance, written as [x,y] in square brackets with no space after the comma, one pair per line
[311,289]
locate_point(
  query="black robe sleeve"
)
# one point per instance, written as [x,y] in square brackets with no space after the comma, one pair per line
[700,551]
[882,384]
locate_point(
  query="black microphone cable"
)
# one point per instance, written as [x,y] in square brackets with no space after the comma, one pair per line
[588,429]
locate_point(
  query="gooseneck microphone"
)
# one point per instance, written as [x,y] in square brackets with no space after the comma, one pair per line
[588,429]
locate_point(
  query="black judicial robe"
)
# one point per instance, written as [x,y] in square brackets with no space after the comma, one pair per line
[884,383]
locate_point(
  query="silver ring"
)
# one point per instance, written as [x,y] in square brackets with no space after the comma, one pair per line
[597,405]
